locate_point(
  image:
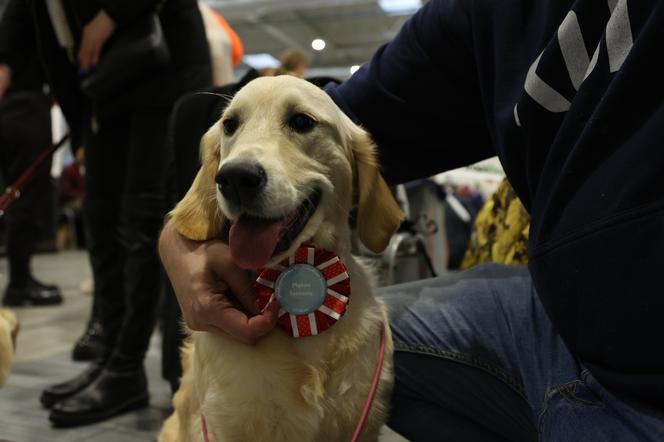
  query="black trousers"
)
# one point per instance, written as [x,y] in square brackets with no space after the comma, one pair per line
[25,131]
[126,163]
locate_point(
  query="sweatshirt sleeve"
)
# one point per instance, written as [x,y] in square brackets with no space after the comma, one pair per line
[419,96]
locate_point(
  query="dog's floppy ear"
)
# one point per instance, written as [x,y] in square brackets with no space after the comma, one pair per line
[378,215]
[197,215]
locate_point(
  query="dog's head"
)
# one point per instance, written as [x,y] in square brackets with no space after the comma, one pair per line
[284,166]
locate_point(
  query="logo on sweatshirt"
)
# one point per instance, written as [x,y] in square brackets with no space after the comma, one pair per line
[570,45]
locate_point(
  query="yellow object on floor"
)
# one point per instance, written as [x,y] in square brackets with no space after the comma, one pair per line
[500,232]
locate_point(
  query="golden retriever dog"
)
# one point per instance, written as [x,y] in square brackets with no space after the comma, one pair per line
[8,330]
[282,167]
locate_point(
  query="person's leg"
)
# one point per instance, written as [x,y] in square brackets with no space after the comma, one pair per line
[143,216]
[476,352]
[25,132]
[173,337]
[105,158]
[487,410]
[122,384]
[26,223]
[105,163]
[452,348]
[91,345]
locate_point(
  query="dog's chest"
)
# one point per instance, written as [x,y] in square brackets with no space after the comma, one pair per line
[288,388]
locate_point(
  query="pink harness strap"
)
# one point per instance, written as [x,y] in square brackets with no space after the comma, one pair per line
[372,390]
[206,438]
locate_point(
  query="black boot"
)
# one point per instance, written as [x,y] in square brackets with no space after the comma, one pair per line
[37,284]
[91,344]
[59,392]
[112,393]
[31,292]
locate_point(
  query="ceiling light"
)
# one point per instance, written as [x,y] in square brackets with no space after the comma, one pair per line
[399,7]
[353,69]
[318,44]
[260,61]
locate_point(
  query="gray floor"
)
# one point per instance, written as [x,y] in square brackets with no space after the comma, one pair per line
[43,358]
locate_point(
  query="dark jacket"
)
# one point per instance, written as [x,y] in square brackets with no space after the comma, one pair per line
[26,25]
[25,28]
[566,93]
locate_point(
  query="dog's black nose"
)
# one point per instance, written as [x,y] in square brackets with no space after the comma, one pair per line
[241,182]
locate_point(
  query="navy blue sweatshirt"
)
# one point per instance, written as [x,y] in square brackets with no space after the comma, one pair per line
[567,94]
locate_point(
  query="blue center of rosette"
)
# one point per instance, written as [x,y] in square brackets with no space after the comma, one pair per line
[300,289]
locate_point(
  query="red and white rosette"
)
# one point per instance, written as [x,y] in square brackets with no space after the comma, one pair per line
[335,300]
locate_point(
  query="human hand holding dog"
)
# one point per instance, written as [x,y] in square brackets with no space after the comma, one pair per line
[202,273]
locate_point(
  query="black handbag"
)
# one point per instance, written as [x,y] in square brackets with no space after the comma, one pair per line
[134,52]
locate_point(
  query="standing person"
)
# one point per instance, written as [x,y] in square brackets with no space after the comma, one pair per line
[293,62]
[126,164]
[25,131]
[566,94]
[226,48]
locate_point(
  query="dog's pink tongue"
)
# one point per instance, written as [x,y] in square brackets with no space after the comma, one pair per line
[252,241]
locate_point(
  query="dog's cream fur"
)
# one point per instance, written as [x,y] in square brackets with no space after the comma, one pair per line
[8,330]
[282,388]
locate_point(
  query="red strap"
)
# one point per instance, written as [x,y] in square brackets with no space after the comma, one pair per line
[367,405]
[206,438]
[374,387]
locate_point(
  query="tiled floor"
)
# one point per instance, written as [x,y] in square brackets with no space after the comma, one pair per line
[43,358]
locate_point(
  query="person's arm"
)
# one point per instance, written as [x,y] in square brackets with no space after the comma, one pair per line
[16,40]
[419,97]
[113,13]
[124,12]
[95,34]
[201,274]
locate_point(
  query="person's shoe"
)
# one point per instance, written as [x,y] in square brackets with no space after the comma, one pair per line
[59,392]
[34,293]
[90,345]
[35,284]
[112,393]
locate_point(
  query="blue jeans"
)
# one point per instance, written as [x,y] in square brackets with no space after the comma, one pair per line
[477,359]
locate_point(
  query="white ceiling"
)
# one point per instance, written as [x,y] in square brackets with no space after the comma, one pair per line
[352,29]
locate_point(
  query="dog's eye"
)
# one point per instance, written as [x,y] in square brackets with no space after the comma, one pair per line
[230,125]
[301,123]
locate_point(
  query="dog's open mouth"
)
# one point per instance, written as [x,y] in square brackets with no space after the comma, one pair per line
[254,240]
